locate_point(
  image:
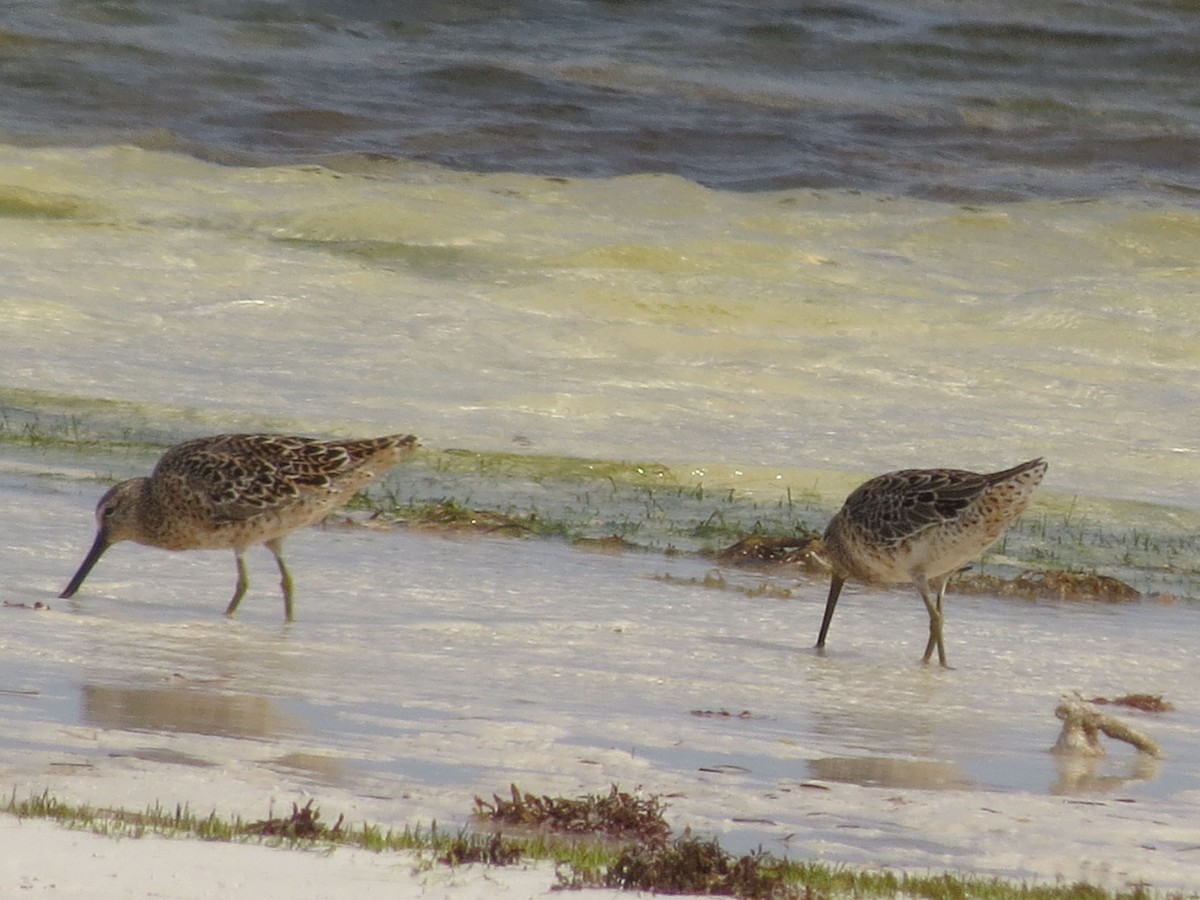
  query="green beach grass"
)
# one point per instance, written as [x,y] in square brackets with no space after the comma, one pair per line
[612,840]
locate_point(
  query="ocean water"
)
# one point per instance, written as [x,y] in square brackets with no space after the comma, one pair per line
[751,255]
[953,101]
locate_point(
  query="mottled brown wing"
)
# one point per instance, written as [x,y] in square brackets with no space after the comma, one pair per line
[237,477]
[899,505]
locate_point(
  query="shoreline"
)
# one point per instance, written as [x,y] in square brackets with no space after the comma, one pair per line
[107,862]
[617,505]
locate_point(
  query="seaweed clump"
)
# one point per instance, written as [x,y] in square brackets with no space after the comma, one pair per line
[647,858]
[1055,584]
[451,516]
[1151,703]
[304,824]
[760,551]
[692,865]
[617,815]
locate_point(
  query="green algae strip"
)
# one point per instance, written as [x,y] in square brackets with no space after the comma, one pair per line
[616,504]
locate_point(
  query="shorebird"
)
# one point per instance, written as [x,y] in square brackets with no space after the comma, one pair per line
[233,491]
[923,525]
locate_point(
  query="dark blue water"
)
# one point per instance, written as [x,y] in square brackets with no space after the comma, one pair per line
[956,101]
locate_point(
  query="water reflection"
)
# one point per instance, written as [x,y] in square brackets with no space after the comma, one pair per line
[882,771]
[1080,774]
[165,755]
[184,709]
[315,767]
[879,710]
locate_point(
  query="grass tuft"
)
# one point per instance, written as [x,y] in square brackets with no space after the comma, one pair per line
[488,849]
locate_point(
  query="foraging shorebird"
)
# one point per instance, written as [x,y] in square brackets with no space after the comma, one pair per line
[923,525]
[233,491]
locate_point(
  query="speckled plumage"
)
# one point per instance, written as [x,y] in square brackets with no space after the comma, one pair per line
[923,525]
[233,491]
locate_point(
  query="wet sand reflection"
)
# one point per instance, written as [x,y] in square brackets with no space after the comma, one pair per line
[184,709]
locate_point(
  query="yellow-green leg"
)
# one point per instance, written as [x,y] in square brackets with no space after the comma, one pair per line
[243,582]
[285,579]
[935,618]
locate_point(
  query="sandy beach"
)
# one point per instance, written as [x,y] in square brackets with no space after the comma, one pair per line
[42,859]
[1114,845]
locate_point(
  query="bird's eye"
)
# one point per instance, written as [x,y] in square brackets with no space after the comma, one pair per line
[108,511]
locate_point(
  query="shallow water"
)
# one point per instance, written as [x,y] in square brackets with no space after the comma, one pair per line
[424,670]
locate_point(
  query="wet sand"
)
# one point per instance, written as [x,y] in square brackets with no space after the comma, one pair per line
[423,671]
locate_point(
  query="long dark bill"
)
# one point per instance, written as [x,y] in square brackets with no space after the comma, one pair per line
[835,588]
[98,547]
